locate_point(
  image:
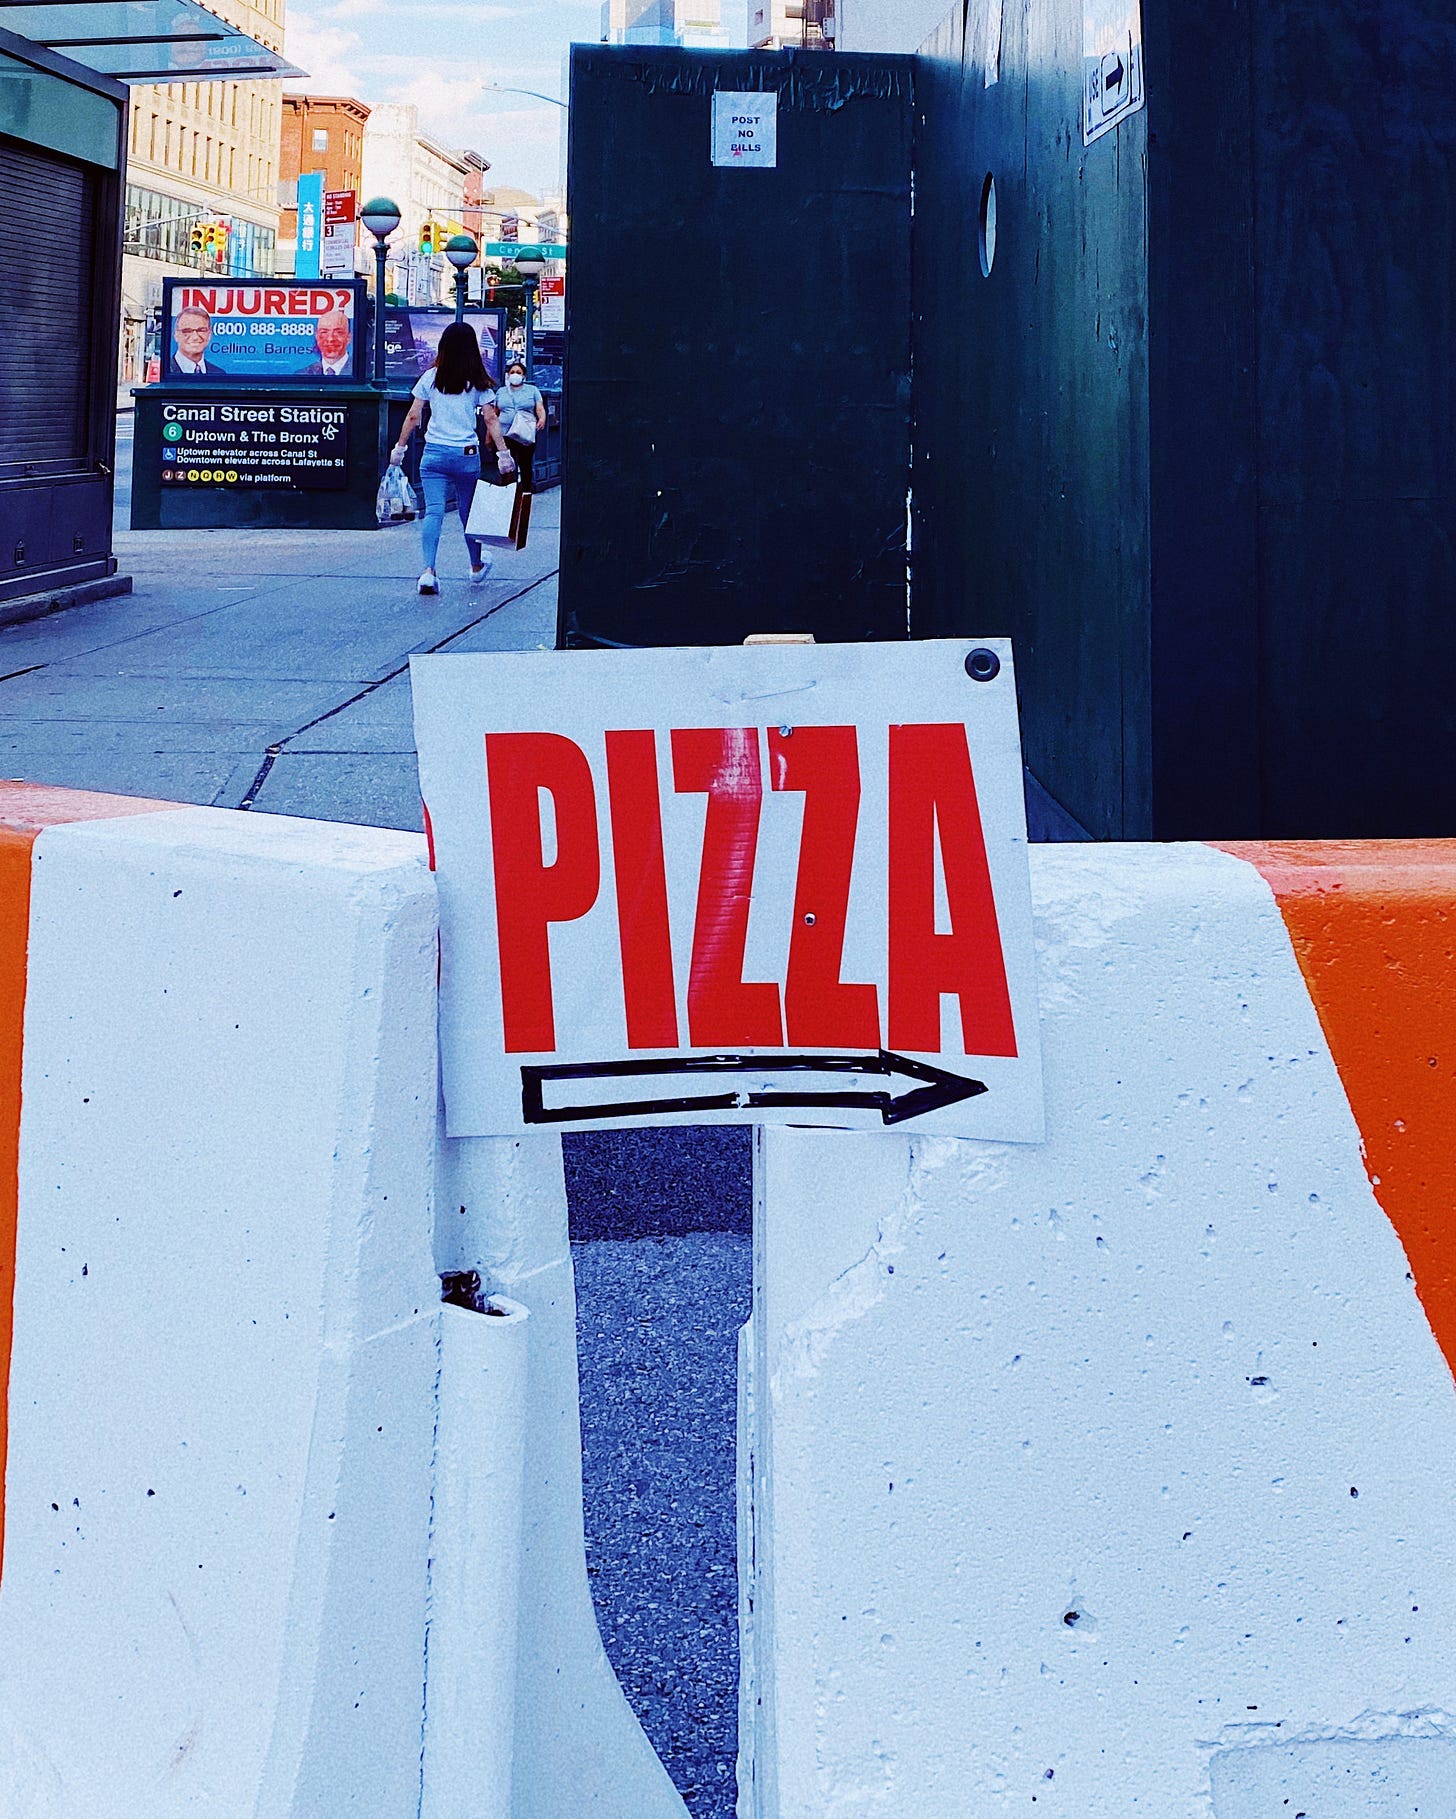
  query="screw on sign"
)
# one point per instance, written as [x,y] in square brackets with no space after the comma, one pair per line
[781,884]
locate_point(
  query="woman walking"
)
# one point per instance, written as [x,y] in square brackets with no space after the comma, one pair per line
[458,390]
[522,412]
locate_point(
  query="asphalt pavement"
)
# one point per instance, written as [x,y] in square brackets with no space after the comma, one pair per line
[268,671]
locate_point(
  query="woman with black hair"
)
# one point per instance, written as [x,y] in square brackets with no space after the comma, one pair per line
[458,390]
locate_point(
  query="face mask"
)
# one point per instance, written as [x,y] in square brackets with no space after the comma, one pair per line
[515,378]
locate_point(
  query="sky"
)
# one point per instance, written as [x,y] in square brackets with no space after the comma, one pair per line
[439,54]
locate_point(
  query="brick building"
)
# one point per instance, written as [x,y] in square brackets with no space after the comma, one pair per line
[319,133]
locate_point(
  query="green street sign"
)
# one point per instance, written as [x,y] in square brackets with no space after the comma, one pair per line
[508,251]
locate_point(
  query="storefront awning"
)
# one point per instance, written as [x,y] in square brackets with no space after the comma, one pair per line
[144,40]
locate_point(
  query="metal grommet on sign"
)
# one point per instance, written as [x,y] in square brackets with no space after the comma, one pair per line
[983,665]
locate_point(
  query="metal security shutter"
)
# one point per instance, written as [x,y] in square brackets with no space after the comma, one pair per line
[45,347]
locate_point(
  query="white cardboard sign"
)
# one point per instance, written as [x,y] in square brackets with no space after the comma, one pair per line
[1112,64]
[765,884]
[746,128]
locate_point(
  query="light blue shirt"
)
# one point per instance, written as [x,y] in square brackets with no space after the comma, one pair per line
[452,414]
[512,398]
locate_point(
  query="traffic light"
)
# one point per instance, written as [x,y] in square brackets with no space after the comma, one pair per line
[197,240]
[427,240]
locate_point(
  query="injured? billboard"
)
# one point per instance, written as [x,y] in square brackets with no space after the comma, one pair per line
[263,334]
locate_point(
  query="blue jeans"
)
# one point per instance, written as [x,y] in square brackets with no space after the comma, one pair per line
[439,467]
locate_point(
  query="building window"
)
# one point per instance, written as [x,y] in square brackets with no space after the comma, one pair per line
[320,138]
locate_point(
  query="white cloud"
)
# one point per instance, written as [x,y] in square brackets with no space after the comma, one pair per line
[420,10]
[326,52]
[424,52]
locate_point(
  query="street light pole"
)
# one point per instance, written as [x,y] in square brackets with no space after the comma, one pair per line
[381,217]
[530,270]
[501,88]
[380,255]
[462,251]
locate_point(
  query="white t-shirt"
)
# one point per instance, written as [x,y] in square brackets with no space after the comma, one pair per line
[452,414]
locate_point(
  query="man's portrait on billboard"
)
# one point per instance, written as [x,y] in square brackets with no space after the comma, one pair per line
[192,335]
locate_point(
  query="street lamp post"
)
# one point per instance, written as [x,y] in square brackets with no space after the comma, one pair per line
[501,88]
[381,217]
[462,251]
[530,269]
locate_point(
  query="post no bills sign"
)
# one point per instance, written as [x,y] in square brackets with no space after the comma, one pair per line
[745,128]
[777,883]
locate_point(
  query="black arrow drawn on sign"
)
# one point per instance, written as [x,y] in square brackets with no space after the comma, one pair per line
[940,1088]
[1114,76]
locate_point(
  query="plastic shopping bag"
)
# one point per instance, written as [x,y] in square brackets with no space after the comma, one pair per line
[522,427]
[395,500]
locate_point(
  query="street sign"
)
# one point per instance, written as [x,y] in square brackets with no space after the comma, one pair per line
[340,212]
[509,250]
[745,129]
[764,884]
[551,303]
[300,447]
[306,260]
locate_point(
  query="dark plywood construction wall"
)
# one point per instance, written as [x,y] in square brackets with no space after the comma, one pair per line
[738,380]
[1193,441]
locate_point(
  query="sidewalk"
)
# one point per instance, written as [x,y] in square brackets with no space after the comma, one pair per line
[264,669]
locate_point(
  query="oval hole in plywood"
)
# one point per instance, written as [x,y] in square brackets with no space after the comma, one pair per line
[988,225]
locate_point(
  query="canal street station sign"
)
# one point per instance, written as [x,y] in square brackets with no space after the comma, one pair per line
[765,884]
[300,446]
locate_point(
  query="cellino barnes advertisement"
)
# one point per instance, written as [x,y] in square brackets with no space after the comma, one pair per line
[263,333]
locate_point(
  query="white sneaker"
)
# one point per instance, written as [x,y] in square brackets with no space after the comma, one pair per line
[427,583]
[477,575]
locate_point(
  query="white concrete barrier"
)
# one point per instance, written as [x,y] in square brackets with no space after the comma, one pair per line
[233,1395]
[1113,1475]
[222,1370]
[578,1748]
[470,1677]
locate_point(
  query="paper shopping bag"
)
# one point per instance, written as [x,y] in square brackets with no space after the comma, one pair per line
[493,515]
[521,518]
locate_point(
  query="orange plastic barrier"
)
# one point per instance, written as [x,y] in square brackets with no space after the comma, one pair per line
[1373,923]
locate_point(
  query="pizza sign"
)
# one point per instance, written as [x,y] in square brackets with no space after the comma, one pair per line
[781,883]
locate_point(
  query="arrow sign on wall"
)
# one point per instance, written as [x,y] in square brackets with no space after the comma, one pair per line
[939,1087]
